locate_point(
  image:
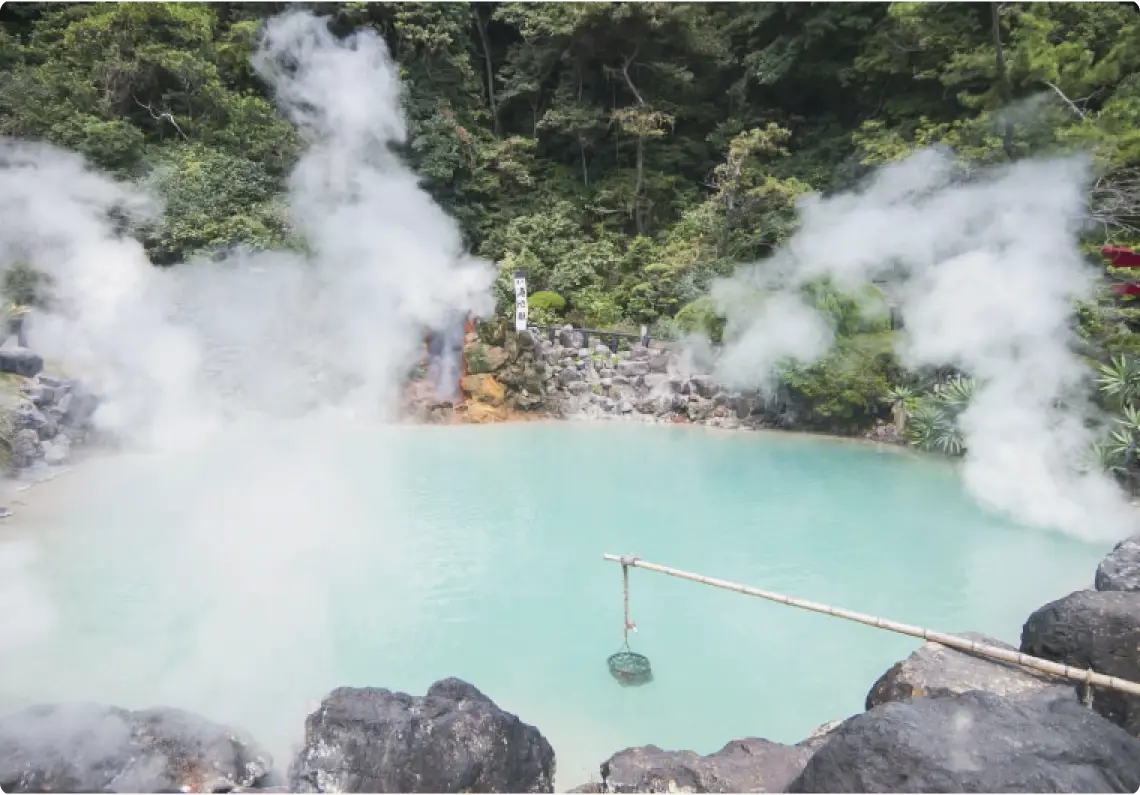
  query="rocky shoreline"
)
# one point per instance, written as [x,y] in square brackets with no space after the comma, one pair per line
[531,376]
[941,720]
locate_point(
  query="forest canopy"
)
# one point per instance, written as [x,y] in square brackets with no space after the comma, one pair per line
[623,154]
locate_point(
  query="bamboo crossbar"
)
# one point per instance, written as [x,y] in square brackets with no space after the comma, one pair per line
[1087,676]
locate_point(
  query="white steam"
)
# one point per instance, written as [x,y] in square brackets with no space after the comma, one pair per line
[220,352]
[986,271]
[174,352]
[105,323]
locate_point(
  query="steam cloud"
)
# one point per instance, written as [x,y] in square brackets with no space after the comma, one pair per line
[986,271]
[225,350]
[178,351]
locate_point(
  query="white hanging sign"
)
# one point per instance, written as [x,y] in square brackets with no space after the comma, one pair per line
[521,310]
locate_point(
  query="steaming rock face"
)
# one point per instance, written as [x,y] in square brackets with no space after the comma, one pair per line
[483,388]
[976,742]
[1098,630]
[454,739]
[91,748]
[46,415]
[935,670]
[751,765]
[482,358]
[1120,570]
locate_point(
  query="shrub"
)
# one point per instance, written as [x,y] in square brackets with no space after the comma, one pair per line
[22,284]
[547,300]
[701,317]
[846,390]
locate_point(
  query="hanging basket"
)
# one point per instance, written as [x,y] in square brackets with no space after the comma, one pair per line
[630,668]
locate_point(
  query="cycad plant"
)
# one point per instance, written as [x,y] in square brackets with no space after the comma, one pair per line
[934,423]
[933,429]
[1119,380]
[957,393]
[902,399]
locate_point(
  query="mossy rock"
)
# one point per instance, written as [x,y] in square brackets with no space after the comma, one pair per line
[482,358]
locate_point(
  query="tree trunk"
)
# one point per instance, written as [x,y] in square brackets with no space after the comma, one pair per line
[900,419]
[481,26]
[638,220]
[1003,79]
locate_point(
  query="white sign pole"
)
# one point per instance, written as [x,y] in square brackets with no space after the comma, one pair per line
[521,309]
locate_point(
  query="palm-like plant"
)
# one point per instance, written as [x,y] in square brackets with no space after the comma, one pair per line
[949,439]
[933,428]
[957,393]
[900,398]
[1130,420]
[1105,455]
[933,423]
[1120,380]
[1117,449]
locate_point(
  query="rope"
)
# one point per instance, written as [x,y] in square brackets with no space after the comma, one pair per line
[628,625]
[1088,676]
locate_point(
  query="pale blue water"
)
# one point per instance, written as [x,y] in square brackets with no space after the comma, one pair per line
[247,578]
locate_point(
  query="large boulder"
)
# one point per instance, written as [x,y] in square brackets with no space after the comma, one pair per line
[25,415]
[26,448]
[78,407]
[21,361]
[976,742]
[454,739]
[1098,630]
[937,670]
[569,338]
[483,358]
[1120,569]
[750,765]
[521,377]
[94,748]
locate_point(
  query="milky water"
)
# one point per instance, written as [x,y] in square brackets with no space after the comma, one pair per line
[246,578]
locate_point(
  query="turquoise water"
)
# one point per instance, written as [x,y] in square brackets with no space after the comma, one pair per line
[247,577]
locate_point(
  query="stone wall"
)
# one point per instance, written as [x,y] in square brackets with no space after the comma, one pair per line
[565,379]
[533,376]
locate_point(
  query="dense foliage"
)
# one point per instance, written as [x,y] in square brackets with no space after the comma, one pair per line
[624,154]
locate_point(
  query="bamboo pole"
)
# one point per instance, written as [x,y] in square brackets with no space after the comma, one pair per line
[1087,676]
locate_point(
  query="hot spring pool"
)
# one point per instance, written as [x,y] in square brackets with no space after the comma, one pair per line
[247,578]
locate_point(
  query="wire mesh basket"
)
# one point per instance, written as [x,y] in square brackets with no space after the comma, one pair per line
[630,668]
